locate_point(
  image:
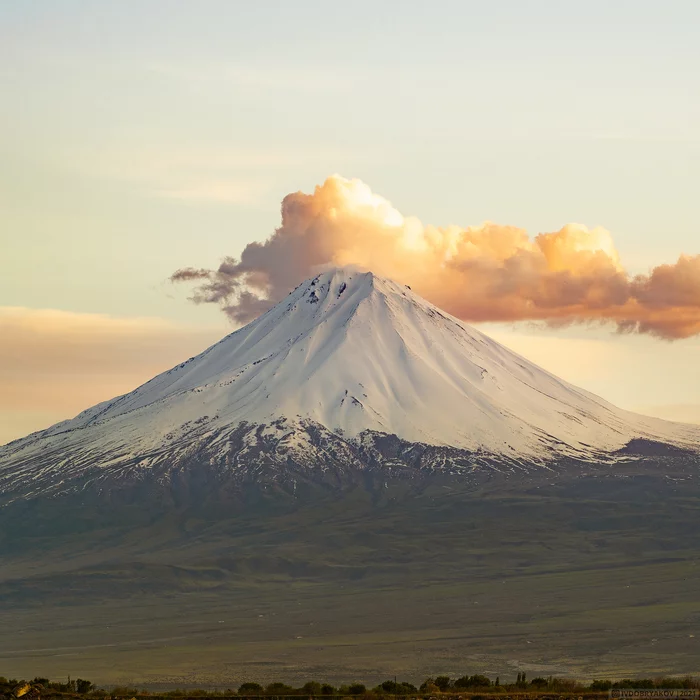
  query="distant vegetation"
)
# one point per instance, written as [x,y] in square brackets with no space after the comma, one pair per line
[474,686]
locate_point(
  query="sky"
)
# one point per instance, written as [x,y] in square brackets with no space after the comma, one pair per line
[139,138]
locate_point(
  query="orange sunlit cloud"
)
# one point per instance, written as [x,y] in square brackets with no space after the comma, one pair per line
[479,273]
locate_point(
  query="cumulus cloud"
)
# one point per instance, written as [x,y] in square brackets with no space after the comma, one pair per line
[488,272]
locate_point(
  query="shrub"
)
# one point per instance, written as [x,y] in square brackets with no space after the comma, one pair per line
[82,686]
[279,689]
[311,688]
[475,681]
[250,689]
[443,683]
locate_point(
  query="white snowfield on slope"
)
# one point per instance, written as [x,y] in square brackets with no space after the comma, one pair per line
[356,352]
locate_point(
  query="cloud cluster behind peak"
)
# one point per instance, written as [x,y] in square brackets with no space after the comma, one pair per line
[481,273]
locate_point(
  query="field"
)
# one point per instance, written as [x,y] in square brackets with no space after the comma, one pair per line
[582,577]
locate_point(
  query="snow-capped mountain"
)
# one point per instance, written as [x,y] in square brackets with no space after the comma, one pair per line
[347,359]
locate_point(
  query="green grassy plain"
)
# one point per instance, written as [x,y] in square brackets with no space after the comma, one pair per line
[583,577]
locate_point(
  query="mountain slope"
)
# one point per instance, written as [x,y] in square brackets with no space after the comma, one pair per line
[348,356]
[352,486]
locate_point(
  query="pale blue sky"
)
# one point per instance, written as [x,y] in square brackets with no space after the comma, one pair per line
[140,137]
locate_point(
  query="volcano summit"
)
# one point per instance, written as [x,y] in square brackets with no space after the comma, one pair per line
[346,364]
[285,497]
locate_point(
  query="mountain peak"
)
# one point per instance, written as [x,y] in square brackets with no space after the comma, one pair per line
[353,354]
[336,281]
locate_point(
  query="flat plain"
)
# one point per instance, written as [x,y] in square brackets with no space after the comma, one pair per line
[584,576]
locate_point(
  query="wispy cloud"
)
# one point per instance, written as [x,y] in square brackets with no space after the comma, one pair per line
[256,77]
[54,364]
[194,175]
[681,412]
[218,173]
[222,191]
